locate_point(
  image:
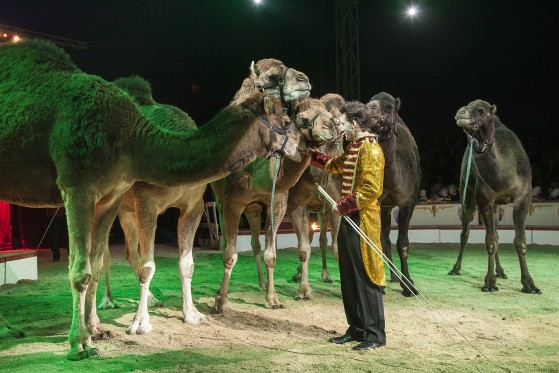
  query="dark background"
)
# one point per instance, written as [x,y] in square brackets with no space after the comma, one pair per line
[196,53]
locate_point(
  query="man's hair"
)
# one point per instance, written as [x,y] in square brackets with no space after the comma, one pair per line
[358,111]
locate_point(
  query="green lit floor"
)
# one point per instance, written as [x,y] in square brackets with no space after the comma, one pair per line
[506,329]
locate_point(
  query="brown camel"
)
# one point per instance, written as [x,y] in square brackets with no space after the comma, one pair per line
[402,176]
[304,199]
[91,144]
[143,202]
[249,190]
[273,77]
[152,200]
[499,173]
[9,331]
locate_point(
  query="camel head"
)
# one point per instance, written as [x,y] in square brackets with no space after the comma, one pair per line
[314,121]
[333,103]
[477,115]
[384,108]
[273,77]
[138,88]
[278,133]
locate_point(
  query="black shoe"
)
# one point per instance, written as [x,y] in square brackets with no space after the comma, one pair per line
[366,345]
[344,339]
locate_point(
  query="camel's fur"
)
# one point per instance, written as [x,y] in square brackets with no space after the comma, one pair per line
[305,199]
[402,175]
[249,190]
[141,205]
[86,147]
[500,173]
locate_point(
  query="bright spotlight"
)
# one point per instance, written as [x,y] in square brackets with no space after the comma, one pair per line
[412,11]
[257,2]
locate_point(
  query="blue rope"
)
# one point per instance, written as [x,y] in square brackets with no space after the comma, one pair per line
[276,170]
[468,168]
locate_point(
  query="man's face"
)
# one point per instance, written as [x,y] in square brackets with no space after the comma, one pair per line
[348,127]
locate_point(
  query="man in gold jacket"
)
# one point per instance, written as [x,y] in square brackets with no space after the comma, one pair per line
[361,268]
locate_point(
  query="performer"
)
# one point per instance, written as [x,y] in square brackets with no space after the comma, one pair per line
[361,269]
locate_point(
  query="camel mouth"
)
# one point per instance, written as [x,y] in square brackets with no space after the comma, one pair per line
[295,157]
[464,122]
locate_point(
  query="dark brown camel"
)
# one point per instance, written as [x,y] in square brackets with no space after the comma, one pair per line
[402,175]
[499,173]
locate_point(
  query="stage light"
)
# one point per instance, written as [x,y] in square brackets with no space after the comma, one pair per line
[412,11]
[315,226]
[257,2]
[16,39]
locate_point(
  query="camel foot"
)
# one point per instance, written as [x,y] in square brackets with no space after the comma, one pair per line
[263,286]
[296,277]
[195,317]
[408,293]
[489,288]
[274,304]
[454,272]
[108,304]
[220,307]
[304,297]
[99,335]
[11,332]
[501,274]
[140,325]
[326,277]
[531,290]
[80,355]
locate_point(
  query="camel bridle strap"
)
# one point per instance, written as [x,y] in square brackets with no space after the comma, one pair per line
[278,83]
[274,130]
[387,126]
[482,144]
[308,126]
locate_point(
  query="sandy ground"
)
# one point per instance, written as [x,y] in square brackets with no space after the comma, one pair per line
[452,327]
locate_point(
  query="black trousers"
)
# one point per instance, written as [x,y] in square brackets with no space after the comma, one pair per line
[362,298]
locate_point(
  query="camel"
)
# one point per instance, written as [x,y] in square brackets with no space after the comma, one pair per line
[304,199]
[249,190]
[151,201]
[271,76]
[91,144]
[499,173]
[402,176]
[9,331]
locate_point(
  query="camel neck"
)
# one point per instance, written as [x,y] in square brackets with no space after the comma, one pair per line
[200,155]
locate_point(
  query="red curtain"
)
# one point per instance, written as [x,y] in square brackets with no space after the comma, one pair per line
[5,226]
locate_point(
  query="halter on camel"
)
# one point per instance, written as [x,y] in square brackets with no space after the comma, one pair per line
[279,83]
[387,126]
[274,130]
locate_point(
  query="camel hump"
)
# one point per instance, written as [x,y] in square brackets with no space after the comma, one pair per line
[138,88]
[36,56]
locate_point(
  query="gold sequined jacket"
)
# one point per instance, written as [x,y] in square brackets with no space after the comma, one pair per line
[362,166]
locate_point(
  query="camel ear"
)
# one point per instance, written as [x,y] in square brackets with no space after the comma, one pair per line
[398,104]
[268,105]
[254,69]
[493,109]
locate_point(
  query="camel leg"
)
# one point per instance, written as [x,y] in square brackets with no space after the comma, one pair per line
[385,224]
[467,213]
[300,220]
[325,219]
[491,245]
[253,219]
[80,209]
[499,271]
[8,331]
[187,225]
[280,206]
[229,217]
[146,217]
[520,210]
[104,218]
[402,245]
[335,220]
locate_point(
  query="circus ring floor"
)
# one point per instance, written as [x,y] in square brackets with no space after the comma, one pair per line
[508,330]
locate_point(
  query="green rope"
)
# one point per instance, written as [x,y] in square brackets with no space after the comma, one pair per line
[468,168]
